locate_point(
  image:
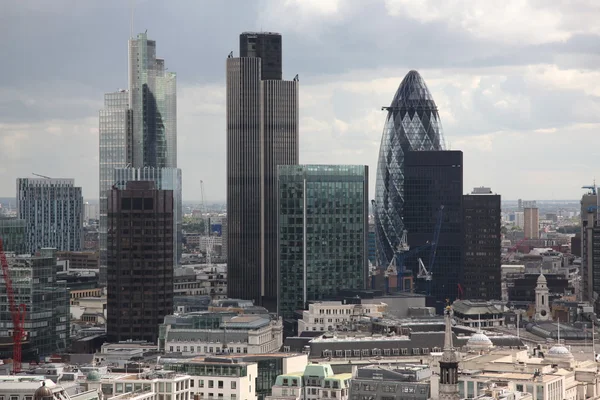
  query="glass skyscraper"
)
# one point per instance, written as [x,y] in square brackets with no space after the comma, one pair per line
[433,179]
[12,233]
[138,127]
[46,298]
[323,229]
[412,123]
[153,100]
[262,133]
[53,213]
[115,152]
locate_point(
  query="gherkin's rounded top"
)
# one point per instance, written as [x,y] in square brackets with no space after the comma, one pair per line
[413,93]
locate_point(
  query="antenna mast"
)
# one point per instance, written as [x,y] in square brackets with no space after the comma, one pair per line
[131,22]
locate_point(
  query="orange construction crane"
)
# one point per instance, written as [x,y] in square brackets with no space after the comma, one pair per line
[17,313]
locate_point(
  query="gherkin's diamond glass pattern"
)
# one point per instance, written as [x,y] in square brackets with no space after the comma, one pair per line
[412,124]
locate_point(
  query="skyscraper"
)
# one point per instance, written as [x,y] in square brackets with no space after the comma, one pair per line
[138,127]
[532,221]
[323,230]
[483,245]
[412,124]
[46,298]
[433,179]
[115,152]
[139,261]
[53,213]
[153,101]
[590,245]
[262,133]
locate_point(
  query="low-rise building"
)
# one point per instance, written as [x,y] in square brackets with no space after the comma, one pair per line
[201,279]
[316,381]
[38,387]
[214,377]
[475,313]
[377,382]
[150,384]
[261,370]
[216,333]
[332,315]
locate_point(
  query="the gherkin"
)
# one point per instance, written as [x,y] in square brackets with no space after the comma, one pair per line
[412,124]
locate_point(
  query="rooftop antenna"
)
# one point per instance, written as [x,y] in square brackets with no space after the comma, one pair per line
[558,319]
[131,16]
[479,317]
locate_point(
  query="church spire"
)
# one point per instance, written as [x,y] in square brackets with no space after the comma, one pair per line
[449,363]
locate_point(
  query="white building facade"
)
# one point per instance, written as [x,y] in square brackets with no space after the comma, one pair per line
[329,315]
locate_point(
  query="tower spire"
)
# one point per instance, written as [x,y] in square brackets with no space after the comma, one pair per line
[449,363]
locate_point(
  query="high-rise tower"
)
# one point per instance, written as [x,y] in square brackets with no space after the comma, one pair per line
[140,261]
[153,100]
[53,213]
[449,363]
[262,133]
[138,129]
[412,123]
[483,239]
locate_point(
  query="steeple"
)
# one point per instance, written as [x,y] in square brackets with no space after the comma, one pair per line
[449,363]
[448,345]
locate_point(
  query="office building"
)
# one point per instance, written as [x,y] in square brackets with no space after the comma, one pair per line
[12,233]
[323,229]
[220,332]
[139,261]
[138,126]
[590,244]
[47,318]
[316,381]
[412,124]
[114,152]
[382,382]
[53,213]
[483,245]
[153,102]
[531,217]
[262,133]
[372,244]
[164,179]
[433,179]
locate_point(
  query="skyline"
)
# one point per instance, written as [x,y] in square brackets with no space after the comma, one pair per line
[520,107]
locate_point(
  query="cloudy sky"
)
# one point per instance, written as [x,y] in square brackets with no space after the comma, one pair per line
[517,82]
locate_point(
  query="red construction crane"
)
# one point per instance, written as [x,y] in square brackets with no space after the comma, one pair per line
[17,313]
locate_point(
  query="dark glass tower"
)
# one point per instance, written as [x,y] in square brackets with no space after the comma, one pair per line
[412,124]
[140,261]
[267,47]
[433,179]
[262,133]
[323,229]
[483,242]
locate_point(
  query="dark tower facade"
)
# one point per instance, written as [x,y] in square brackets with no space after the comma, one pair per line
[483,240]
[267,47]
[433,179]
[412,124]
[262,133]
[139,261]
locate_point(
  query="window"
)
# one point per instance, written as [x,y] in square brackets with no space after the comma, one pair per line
[168,387]
[220,384]
[233,385]
[396,352]
[191,383]
[404,352]
[211,384]
[201,383]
